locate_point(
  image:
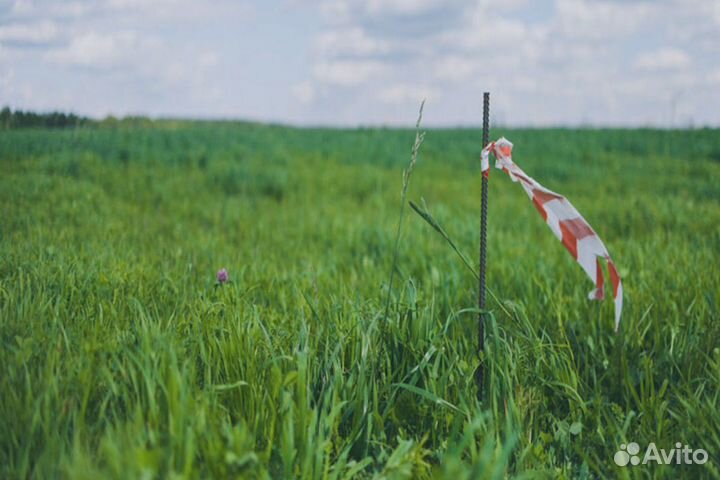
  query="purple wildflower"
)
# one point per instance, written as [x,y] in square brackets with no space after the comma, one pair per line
[222,276]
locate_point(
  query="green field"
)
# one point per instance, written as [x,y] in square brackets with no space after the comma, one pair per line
[121,358]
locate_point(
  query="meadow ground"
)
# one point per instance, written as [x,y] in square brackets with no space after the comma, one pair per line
[121,358]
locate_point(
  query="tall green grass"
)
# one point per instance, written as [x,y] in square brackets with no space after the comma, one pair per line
[120,357]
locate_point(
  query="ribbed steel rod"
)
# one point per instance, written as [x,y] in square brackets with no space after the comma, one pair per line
[483,251]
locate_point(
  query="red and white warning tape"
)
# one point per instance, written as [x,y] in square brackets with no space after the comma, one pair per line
[565,222]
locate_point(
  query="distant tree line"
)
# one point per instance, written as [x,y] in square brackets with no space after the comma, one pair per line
[10,119]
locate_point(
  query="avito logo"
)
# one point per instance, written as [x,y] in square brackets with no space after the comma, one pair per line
[680,455]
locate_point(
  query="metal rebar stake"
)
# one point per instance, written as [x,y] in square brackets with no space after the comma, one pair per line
[480,372]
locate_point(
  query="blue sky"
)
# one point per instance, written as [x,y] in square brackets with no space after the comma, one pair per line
[353,62]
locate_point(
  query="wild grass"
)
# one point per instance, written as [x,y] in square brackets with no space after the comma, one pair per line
[407,174]
[120,358]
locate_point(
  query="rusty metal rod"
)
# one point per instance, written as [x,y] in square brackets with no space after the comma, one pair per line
[480,373]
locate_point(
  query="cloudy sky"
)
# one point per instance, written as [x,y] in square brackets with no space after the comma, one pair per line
[350,62]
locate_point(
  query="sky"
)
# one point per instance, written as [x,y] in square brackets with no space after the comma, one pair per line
[368,62]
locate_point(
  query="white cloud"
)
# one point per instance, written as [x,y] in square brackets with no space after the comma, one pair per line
[410,19]
[176,10]
[401,7]
[407,93]
[99,50]
[348,72]
[338,10]
[505,5]
[560,61]
[20,7]
[344,10]
[349,42]
[456,68]
[668,58]
[714,77]
[122,10]
[592,20]
[487,30]
[193,70]
[208,59]
[304,92]
[23,9]
[32,33]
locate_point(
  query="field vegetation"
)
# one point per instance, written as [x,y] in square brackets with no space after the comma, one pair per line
[121,357]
